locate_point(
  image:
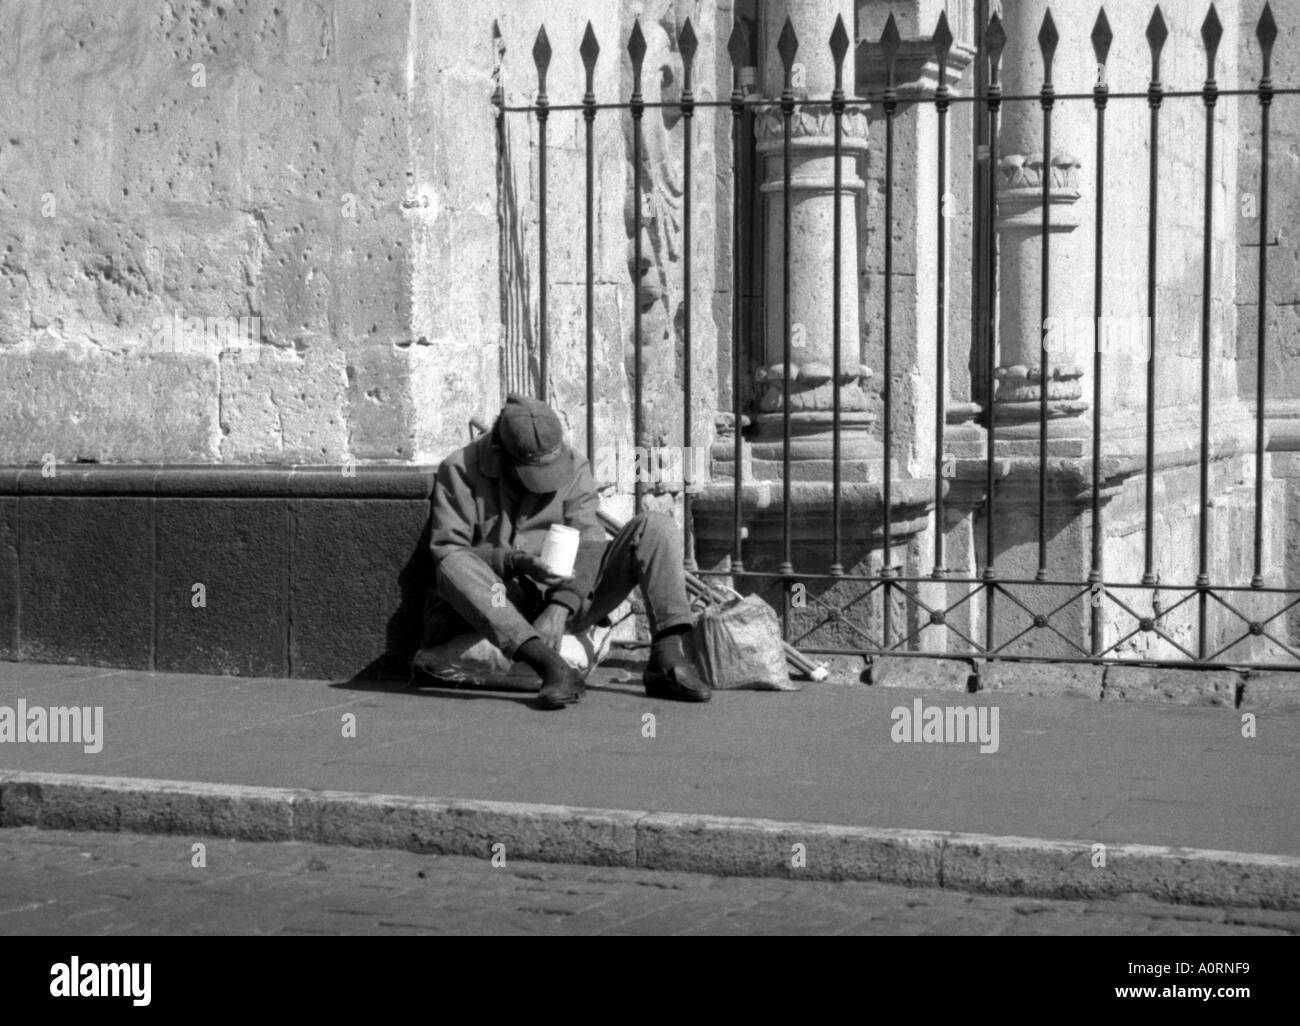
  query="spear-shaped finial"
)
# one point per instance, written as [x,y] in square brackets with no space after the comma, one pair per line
[1266,33]
[890,41]
[687,43]
[636,50]
[1157,33]
[542,58]
[1048,38]
[995,38]
[839,49]
[942,40]
[590,50]
[787,46]
[1102,37]
[1211,34]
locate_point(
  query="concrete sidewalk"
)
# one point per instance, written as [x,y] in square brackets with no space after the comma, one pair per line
[1180,785]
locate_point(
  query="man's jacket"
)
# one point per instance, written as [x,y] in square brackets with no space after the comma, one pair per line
[476,509]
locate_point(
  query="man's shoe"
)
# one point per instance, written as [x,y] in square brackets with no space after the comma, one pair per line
[561,689]
[561,684]
[671,673]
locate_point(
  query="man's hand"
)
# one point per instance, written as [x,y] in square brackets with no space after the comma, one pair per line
[533,566]
[550,624]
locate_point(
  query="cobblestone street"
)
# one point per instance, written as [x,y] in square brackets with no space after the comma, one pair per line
[65,883]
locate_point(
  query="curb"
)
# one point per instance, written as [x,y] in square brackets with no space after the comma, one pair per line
[671,841]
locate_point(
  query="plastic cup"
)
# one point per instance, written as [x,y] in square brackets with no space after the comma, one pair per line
[560,550]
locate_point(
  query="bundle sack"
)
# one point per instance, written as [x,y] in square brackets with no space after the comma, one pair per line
[472,660]
[738,644]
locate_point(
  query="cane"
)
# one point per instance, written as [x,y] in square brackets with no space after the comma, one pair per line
[697,586]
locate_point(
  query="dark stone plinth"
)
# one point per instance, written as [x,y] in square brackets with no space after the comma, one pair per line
[8,577]
[235,549]
[314,572]
[86,576]
[359,576]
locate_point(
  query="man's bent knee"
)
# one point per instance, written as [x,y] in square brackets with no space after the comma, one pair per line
[465,574]
[654,524]
[481,598]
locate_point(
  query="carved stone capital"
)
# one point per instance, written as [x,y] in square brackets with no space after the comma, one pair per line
[811,124]
[1025,171]
[1020,192]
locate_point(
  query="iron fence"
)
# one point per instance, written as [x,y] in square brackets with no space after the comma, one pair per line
[902,594]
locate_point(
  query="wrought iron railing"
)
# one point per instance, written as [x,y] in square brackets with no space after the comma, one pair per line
[1105,596]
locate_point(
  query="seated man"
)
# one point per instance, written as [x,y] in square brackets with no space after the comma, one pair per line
[493,503]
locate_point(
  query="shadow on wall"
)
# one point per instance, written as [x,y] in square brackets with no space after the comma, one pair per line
[405,627]
[519,366]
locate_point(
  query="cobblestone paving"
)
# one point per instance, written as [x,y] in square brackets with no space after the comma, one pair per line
[56,882]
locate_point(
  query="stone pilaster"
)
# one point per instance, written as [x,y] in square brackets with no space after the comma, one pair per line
[1020,254]
[1022,166]
[812,368]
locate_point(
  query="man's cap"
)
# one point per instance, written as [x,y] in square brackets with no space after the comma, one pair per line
[532,438]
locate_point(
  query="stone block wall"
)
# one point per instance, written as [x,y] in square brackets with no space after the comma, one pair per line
[270,571]
[252,240]
[1281,367]
[1181,178]
[276,238]
[1282,310]
[236,233]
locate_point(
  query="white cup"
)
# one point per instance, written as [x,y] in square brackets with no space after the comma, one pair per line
[560,550]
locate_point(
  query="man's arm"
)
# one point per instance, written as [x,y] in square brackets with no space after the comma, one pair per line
[580,508]
[454,520]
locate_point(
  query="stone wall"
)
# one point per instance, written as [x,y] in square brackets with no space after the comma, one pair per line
[1282,342]
[1282,369]
[1180,197]
[256,239]
[240,235]
[167,169]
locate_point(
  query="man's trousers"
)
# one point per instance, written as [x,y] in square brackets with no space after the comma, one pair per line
[647,553]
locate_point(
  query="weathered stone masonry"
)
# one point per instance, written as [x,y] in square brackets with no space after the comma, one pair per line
[260,265]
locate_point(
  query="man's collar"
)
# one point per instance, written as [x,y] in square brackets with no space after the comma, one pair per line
[489,457]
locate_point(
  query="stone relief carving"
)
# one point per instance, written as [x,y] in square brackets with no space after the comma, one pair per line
[1025,171]
[811,120]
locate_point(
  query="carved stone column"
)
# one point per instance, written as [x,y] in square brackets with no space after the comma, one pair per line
[1020,227]
[812,286]
[1021,169]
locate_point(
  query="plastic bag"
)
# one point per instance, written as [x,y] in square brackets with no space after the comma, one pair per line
[738,645]
[472,659]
